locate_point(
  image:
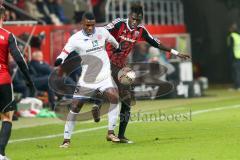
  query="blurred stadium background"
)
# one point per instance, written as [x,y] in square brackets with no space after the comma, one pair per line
[201,86]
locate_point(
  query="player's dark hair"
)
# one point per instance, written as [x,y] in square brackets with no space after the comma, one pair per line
[2,11]
[137,8]
[88,15]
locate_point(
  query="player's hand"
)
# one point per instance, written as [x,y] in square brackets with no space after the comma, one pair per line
[32,89]
[58,62]
[183,56]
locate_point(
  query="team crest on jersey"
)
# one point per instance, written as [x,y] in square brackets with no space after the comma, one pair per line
[99,37]
[2,37]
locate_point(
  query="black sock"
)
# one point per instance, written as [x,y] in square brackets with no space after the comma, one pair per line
[124,118]
[4,136]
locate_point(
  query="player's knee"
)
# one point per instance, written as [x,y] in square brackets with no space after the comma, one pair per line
[75,109]
[114,99]
[113,96]
[7,117]
[76,106]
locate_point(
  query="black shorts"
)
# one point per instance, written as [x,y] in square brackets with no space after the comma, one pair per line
[126,92]
[6,98]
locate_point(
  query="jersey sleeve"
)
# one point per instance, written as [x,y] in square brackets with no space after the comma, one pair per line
[110,38]
[17,56]
[70,45]
[114,26]
[146,36]
[68,48]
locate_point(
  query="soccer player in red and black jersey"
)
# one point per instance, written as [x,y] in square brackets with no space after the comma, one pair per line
[8,44]
[127,32]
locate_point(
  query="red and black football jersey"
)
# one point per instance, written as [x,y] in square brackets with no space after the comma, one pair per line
[127,38]
[8,44]
[4,51]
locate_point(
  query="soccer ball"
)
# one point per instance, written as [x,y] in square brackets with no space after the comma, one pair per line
[126,76]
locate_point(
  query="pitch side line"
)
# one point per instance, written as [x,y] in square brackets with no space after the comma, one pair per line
[102,127]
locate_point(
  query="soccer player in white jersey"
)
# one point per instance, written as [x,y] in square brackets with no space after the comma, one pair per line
[89,43]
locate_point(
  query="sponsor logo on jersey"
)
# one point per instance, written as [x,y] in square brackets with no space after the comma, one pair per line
[127,39]
[2,37]
[94,49]
[99,37]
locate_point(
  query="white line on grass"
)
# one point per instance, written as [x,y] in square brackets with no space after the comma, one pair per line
[215,109]
[102,127]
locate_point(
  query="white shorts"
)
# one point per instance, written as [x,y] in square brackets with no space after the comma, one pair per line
[88,89]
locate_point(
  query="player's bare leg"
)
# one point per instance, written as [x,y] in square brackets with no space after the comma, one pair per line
[112,95]
[70,122]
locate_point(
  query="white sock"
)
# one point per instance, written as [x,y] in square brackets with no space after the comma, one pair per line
[113,116]
[70,124]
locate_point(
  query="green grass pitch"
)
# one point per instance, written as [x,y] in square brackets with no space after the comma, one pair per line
[206,128]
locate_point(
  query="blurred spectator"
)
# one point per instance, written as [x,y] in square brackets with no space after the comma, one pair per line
[42,8]
[40,72]
[51,10]
[31,8]
[60,11]
[47,9]
[36,40]
[140,52]
[81,6]
[99,10]
[21,4]
[234,53]
[155,56]
[19,83]
[10,15]
[13,2]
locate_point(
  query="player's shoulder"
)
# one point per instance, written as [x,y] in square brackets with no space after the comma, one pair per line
[145,32]
[142,27]
[101,30]
[78,33]
[119,20]
[4,34]
[76,36]
[2,30]
[116,23]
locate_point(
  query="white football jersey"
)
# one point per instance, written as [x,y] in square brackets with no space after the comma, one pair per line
[91,48]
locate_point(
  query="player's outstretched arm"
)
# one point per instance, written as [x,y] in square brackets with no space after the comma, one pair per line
[68,48]
[17,56]
[174,52]
[155,43]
